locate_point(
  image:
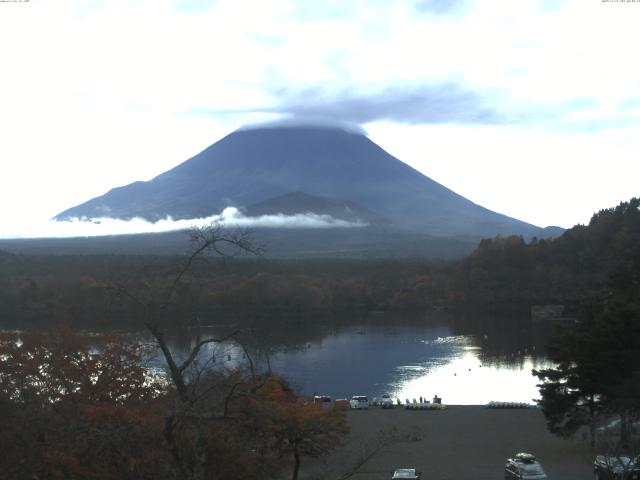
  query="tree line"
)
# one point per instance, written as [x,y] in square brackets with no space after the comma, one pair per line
[595,383]
[37,290]
[502,271]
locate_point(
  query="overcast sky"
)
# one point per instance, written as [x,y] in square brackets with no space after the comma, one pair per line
[529,108]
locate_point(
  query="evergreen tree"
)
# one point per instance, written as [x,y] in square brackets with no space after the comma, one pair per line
[598,359]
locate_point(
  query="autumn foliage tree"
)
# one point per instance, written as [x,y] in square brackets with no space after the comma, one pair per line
[293,427]
[77,406]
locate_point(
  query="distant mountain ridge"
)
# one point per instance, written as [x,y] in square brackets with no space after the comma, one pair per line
[252,166]
[299,203]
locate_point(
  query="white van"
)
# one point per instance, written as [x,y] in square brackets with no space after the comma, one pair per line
[386,401]
[359,402]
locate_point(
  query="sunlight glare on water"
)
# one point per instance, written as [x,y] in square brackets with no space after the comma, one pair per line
[464,380]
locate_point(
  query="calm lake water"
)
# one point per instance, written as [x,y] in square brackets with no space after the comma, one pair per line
[465,359]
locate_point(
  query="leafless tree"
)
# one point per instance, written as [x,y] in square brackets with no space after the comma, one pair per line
[617,446]
[193,406]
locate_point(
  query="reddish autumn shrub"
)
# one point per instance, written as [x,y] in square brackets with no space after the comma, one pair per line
[78,406]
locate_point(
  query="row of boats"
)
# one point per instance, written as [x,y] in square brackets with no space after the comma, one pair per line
[510,405]
[362,402]
[424,406]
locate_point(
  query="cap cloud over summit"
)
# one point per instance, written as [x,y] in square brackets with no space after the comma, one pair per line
[256,164]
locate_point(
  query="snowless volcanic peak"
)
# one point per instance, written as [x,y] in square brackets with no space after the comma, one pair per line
[254,165]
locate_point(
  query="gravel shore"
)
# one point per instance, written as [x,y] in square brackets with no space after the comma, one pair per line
[462,442]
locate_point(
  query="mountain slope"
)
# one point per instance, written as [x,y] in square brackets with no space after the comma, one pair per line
[253,165]
[296,203]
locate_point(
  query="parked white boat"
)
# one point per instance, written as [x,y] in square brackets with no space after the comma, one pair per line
[424,406]
[510,405]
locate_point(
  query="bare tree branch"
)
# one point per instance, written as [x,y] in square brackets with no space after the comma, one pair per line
[196,349]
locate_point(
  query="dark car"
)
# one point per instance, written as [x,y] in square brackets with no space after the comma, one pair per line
[607,467]
[523,466]
[321,399]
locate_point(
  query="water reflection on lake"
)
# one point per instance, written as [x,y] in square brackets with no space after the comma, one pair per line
[408,362]
[464,360]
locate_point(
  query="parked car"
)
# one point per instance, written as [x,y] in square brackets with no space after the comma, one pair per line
[386,401]
[613,427]
[359,402]
[406,473]
[322,399]
[523,466]
[607,467]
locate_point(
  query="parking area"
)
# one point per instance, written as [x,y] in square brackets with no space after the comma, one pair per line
[461,442]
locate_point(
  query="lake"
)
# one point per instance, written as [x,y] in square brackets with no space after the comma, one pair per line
[466,359]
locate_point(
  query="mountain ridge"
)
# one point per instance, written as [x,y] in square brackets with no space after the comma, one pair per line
[250,166]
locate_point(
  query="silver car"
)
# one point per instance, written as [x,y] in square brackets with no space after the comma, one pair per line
[406,474]
[524,466]
[359,402]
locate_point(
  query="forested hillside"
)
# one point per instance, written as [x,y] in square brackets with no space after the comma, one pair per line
[83,290]
[503,272]
[560,270]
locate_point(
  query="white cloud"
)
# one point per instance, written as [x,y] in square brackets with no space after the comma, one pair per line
[98,94]
[230,217]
